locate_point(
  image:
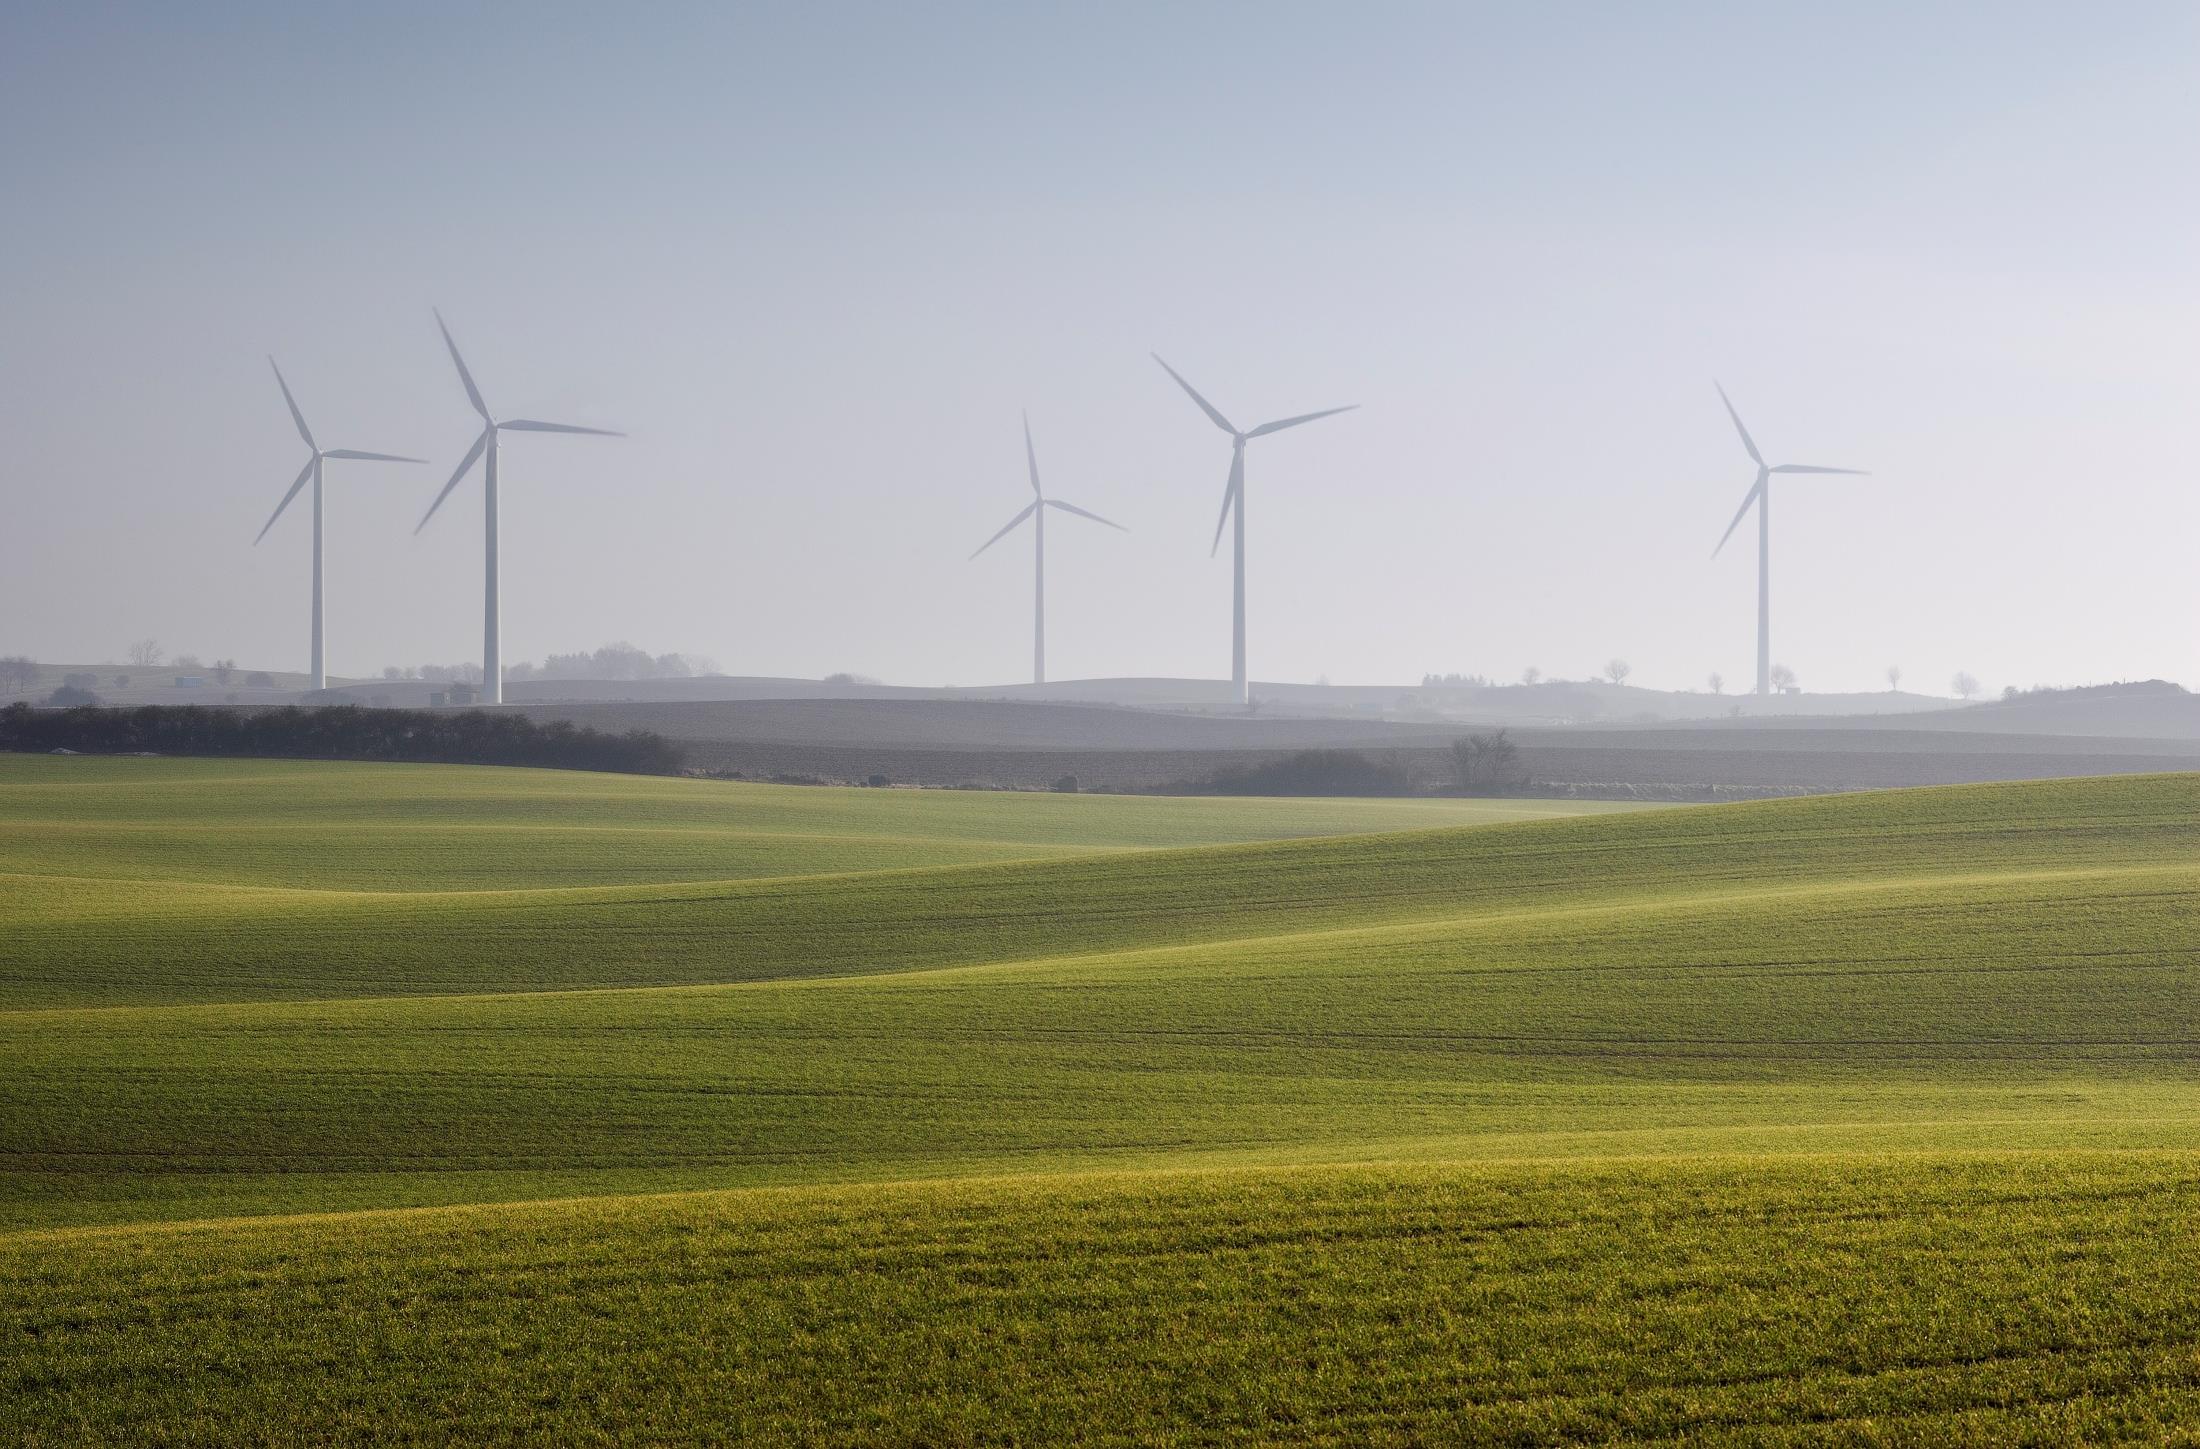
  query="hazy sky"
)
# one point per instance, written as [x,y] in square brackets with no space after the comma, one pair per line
[815,258]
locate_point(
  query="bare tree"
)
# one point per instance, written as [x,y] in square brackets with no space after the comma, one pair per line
[1618,670]
[223,668]
[18,671]
[1530,675]
[1717,682]
[1964,685]
[1487,762]
[1783,678]
[147,653]
[1894,677]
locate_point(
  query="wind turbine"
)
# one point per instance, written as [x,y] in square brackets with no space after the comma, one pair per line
[1036,512]
[1233,493]
[1760,493]
[485,447]
[312,470]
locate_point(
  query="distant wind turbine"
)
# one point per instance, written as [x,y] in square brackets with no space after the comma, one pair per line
[1233,495]
[1760,493]
[312,470]
[485,447]
[1036,511]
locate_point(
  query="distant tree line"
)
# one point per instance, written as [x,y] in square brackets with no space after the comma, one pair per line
[1316,772]
[613,661]
[1479,765]
[436,673]
[337,732]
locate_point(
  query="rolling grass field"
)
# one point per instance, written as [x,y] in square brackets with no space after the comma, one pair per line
[418,1104]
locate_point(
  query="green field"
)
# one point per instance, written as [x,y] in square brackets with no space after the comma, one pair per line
[384,1103]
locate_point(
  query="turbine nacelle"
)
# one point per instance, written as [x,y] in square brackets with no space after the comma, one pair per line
[1232,490]
[1039,500]
[317,455]
[1765,471]
[490,426]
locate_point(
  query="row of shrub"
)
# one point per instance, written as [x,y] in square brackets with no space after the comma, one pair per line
[1316,772]
[1479,765]
[337,732]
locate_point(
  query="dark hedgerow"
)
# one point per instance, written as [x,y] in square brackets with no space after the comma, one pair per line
[1316,772]
[337,732]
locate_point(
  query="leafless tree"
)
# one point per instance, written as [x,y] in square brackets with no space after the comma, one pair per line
[1530,675]
[18,671]
[1894,677]
[147,653]
[1618,670]
[1964,685]
[1717,682]
[1487,762]
[1782,677]
[223,668]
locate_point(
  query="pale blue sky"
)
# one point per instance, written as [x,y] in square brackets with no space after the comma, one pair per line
[816,258]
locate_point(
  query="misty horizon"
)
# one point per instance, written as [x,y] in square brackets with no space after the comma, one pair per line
[816,264]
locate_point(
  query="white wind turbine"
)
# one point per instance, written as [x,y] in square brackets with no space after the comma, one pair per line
[485,447]
[312,470]
[1760,493]
[1036,512]
[1233,492]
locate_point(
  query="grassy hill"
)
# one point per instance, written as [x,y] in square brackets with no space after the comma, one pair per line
[371,1102]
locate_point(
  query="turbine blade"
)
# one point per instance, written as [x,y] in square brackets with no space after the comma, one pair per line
[473,394]
[1204,406]
[1747,499]
[1081,513]
[357,456]
[1029,509]
[1031,456]
[1229,496]
[473,455]
[1808,468]
[303,474]
[1747,441]
[295,416]
[529,425]
[1266,428]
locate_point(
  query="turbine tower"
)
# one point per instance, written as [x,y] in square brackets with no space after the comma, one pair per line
[1036,512]
[1760,493]
[485,447]
[312,470]
[1233,494]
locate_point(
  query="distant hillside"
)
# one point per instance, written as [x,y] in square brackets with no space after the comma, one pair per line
[2148,709]
[165,683]
[1031,745]
[1553,702]
[2152,709]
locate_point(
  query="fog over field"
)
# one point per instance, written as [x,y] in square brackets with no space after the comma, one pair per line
[1225,723]
[815,260]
